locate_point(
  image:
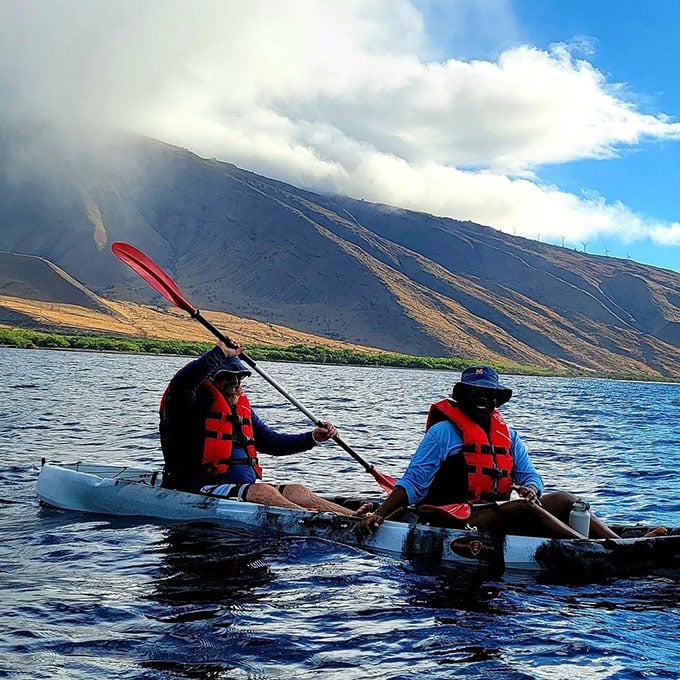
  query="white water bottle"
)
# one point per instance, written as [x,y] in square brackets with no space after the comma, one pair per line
[579,517]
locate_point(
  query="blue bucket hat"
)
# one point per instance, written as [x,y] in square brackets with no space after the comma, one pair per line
[484,377]
[232,365]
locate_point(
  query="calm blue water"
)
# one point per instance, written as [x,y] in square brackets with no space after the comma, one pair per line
[90,597]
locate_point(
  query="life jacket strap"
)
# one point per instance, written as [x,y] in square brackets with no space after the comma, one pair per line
[251,462]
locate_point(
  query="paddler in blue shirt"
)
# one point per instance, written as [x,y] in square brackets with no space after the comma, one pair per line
[211,436]
[468,464]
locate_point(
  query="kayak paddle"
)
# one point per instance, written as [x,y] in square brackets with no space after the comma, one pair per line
[163,284]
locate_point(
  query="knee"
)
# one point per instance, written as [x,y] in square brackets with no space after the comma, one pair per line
[261,493]
[293,489]
[559,503]
[559,497]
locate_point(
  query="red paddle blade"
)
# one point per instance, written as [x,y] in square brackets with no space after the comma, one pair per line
[385,481]
[152,274]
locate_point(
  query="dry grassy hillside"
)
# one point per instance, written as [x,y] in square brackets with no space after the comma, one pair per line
[133,320]
[361,273]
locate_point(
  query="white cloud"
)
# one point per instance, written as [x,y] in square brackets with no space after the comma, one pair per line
[339,95]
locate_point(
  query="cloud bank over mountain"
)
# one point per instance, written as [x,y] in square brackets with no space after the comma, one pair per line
[354,97]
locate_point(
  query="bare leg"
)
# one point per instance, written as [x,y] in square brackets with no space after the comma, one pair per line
[302,496]
[521,519]
[560,503]
[264,494]
[297,497]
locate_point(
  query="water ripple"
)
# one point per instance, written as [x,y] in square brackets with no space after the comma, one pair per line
[94,597]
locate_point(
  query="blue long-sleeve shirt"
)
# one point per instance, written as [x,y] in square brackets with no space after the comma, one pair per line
[267,440]
[443,440]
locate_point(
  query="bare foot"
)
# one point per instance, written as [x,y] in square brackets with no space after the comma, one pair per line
[366,507]
[659,531]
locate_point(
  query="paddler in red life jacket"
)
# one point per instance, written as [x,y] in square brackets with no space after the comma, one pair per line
[470,456]
[211,436]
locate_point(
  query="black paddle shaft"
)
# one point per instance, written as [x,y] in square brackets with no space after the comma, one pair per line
[196,314]
[163,284]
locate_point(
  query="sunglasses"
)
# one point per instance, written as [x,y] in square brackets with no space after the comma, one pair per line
[478,394]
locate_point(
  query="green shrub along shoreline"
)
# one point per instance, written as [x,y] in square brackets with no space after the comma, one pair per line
[314,354]
[310,354]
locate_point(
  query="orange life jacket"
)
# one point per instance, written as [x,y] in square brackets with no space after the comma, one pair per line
[487,458]
[223,427]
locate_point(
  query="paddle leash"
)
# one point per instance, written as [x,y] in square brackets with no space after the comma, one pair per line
[163,284]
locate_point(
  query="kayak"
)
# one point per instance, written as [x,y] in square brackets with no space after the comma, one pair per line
[131,492]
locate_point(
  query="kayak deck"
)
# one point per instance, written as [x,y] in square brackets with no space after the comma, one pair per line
[129,491]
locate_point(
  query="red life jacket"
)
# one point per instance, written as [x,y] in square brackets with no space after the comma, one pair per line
[488,460]
[223,426]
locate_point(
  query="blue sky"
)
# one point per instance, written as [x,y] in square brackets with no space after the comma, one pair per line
[633,45]
[551,119]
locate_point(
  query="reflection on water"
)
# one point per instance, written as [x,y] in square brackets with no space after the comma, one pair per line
[206,580]
[202,564]
[465,590]
[97,597]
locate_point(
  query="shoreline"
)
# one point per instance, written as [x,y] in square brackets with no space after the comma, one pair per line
[21,338]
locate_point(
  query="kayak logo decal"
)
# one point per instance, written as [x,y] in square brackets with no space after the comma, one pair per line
[473,547]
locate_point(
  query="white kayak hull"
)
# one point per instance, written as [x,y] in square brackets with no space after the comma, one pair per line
[133,492]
